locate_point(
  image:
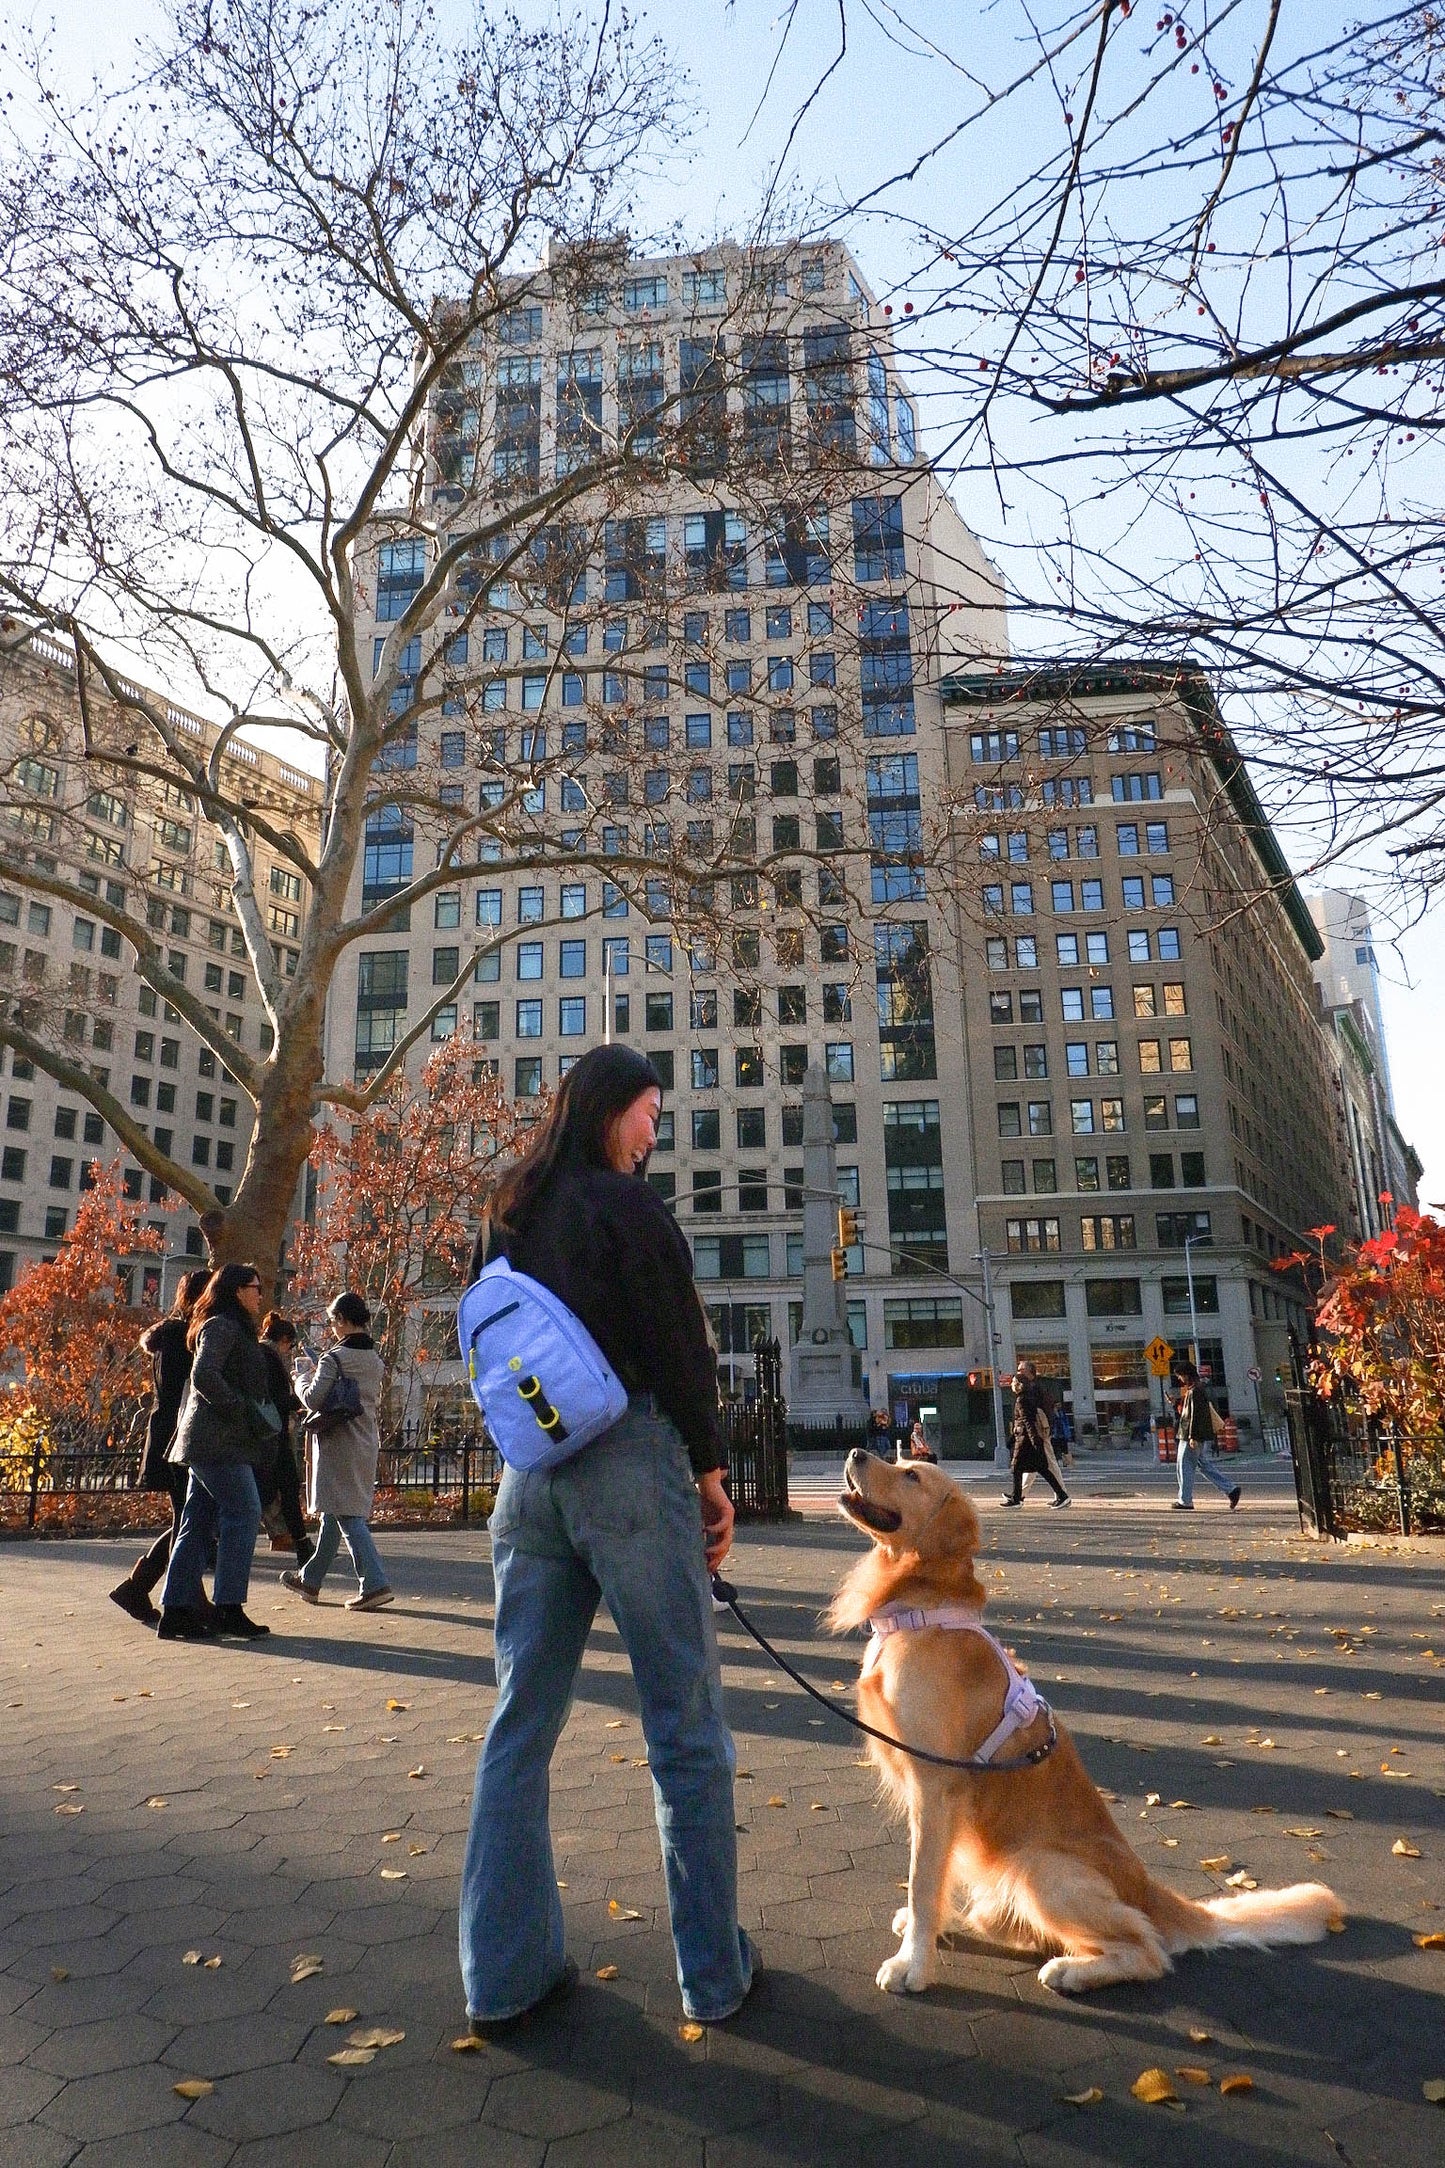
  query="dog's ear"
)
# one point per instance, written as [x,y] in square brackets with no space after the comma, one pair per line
[951,1541]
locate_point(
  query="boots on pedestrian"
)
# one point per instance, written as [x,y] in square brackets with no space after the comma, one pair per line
[180,1622]
[232,1624]
[135,1602]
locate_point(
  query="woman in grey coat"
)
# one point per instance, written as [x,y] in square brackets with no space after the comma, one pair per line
[226,1433]
[343,1459]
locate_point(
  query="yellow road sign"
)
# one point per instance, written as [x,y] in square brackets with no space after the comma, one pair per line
[1158,1354]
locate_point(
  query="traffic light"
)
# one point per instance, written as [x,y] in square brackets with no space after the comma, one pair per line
[839,1259]
[848,1227]
[981,1380]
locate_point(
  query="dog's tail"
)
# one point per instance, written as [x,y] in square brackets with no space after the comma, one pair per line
[1258,1919]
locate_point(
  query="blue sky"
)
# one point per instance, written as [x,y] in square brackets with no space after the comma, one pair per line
[887,100]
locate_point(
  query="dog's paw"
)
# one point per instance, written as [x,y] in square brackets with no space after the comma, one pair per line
[1063,1975]
[900,1921]
[906,1973]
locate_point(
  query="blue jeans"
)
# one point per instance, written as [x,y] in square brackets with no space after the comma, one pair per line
[370,1572]
[620,1522]
[223,1507]
[1188,1460]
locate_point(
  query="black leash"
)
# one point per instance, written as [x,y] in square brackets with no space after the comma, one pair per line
[725,1593]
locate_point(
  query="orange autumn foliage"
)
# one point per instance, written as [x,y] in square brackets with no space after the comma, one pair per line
[401,1189]
[67,1328]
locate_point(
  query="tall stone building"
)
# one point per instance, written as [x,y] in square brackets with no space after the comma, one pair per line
[736,678]
[140,847]
[1384,1169]
[1150,1090]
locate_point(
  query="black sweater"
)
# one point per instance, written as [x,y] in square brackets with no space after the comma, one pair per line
[607,1245]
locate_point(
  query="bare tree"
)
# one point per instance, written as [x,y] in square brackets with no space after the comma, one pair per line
[1184,358]
[251,309]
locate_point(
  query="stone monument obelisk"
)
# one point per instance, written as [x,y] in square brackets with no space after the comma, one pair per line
[823,1366]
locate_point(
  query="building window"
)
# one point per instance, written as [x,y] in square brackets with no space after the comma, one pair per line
[919,1321]
[1037,1298]
[1113,1298]
[1108,1231]
[1032,1234]
[913,1157]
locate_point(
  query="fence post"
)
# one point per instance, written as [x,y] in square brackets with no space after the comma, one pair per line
[1402,1486]
[34,1505]
[466,1478]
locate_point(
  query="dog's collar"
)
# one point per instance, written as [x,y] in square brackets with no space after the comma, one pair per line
[898,1618]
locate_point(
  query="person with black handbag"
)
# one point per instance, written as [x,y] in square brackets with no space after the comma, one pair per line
[170,1360]
[227,1432]
[283,1488]
[341,1399]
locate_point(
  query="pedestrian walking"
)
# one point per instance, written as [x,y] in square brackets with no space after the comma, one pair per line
[340,1399]
[1047,1430]
[170,1358]
[227,1433]
[1198,1425]
[637,1518]
[278,1345]
[1032,1454]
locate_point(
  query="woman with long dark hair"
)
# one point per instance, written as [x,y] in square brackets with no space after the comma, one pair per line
[227,1431]
[165,1343]
[283,1484]
[636,1518]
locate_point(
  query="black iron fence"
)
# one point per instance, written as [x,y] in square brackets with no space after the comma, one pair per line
[1354,1475]
[436,1471]
[756,1432]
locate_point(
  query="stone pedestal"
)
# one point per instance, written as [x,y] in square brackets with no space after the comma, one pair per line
[821,1385]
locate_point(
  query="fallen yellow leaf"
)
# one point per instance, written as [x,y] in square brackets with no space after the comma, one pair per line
[398,1705]
[58,1973]
[211,1964]
[1404,1849]
[352,2058]
[1192,2073]
[621,1912]
[606,1972]
[690,2030]
[192,1957]
[468,2044]
[393,1836]
[340,2017]
[777,1800]
[1199,2036]
[1340,1814]
[1240,2082]
[1088,2099]
[419,1771]
[393,1874]
[193,2088]
[376,2036]
[1219,1864]
[1153,2086]
[1434,2089]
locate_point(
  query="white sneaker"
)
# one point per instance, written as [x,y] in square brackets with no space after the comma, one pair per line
[376,1601]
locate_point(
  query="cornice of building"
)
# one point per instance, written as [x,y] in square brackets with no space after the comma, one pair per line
[1056,678]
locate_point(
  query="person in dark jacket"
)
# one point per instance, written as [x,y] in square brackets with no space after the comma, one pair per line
[283,1484]
[636,1518]
[226,1434]
[165,1343]
[1031,1450]
[1198,1426]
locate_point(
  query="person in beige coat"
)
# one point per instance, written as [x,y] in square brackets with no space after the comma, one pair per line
[343,1456]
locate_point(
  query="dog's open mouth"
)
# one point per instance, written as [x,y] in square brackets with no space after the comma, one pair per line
[882,1519]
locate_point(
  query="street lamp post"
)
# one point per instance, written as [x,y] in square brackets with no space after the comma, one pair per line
[1000,1450]
[1189,1242]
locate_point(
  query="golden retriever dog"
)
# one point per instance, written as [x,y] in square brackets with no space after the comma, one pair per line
[1027,1855]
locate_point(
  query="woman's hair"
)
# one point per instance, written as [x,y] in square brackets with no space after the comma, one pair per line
[577,1130]
[189,1290]
[349,1309]
[276,1327]
[1186,1373]
[218,1299]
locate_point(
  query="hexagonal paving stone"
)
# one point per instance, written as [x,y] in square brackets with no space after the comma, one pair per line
[265,2102]
[115,2102]
[115,2043]
[549,2104]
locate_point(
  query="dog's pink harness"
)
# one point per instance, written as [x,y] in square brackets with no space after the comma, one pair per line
[1022,1700]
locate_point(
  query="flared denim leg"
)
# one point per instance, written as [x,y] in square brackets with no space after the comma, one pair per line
[623,1519]
[195,1536]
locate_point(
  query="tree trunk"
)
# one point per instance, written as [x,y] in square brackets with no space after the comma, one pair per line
[252,1228]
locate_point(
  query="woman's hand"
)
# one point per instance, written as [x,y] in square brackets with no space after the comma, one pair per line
[717,1518]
